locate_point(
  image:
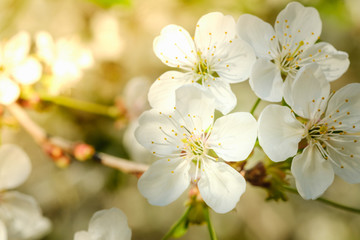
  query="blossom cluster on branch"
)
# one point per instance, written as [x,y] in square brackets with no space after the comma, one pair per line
[199,143]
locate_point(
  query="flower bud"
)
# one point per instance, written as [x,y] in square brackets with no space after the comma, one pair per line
[83,152]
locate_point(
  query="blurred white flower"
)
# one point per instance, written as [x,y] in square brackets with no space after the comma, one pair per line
[66,58]
[110,224]
[16,67]
[192,147]
[107,42]
[211,62]
[330,127]
[287,49]
[19,213]
[135,101]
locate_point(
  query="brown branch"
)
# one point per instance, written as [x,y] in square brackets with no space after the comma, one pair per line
[43,139]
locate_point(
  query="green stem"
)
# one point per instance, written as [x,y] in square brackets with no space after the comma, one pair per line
[255,106]
[328,202]
[169,234]
[210,226]
[94,108]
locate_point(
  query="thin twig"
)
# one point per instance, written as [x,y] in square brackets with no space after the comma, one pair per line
[326,201]
[41,137]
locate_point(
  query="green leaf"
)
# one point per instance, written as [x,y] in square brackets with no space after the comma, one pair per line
[110,3]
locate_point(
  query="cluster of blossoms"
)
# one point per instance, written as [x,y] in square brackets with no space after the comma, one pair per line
[56,63]
[317,129]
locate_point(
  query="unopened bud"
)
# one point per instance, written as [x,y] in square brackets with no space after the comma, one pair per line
[83,152]
[62,162]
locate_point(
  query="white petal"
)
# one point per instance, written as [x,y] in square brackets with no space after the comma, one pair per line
[16,49]
[344,106]
[313,174]
[22,215]
[162,92]
[266,81]
[28,72]
[345,166]
[308,89]
[258,34]
[165,181]
[225,99]
[194,107]
[332,62]
[297,23]
[233,136]
[9,91]
[213,29]
[3,232]
[157,133]
[45,47]
[175,47]
[237,59]
[135,150]
[220,186]
[279,132]
[15,166]
[83,235]
[110,224]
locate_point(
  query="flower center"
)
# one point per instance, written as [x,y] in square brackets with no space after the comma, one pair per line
[204,70]
[287,61]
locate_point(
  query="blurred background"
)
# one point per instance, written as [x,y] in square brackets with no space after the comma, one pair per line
[119,34]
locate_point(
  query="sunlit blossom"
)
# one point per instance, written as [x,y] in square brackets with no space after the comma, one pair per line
[191,147]
[287,48]
[212,61]
[327,124]
[110,224]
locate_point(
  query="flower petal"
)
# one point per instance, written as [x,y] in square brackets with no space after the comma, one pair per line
[233,136]
[259,34]
[175,47]
[165,181]
[157,133]
[237,59]
[45,47]
[313,174]
[16,49]
[220,186]
[225,99]
[83,235]
[28,72]
[345,161]
[279,132]
[344,107]
[22,215]
[9,91]
[110,224]
[266,81]
[213,29]
[3,232]
[194,108]
[309,91]
[297,23]
[15,166]
[332,62]
[162,92]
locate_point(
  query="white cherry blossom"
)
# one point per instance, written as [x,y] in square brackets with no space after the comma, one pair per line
[109,224]
[66,58]
[191,147]
[214,59]
[16,67]
[20,214]
[287,48]
[327,124]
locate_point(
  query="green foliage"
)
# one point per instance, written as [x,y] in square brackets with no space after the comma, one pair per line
[110,3]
